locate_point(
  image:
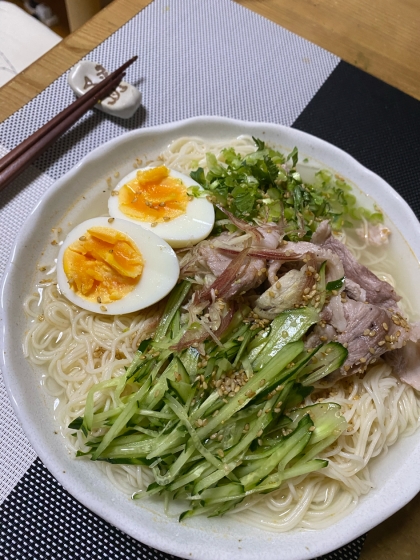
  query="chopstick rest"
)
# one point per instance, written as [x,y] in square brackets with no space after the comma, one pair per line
[123,102]
[18,159]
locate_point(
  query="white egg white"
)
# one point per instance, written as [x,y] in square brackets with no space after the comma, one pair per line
[183,231]
[160,272]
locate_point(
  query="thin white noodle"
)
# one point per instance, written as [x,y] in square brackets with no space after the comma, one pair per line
[76,349]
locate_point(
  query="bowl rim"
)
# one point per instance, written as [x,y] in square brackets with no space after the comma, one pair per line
[153,537]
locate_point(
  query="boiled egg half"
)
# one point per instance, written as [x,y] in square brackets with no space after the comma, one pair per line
[157,199]
[114,267]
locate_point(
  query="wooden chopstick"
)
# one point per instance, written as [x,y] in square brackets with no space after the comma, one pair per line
[18,159]
[41,143]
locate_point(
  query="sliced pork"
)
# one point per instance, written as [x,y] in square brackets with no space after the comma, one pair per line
[213,259]
[377,291]
[273,268]
[369,332]
[405,363]
[333,314]
[299,251]
[375,234]
[322,233]
[282,295]
[363,314]
[354,290]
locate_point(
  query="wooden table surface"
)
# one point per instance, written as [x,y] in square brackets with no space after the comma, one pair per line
[381,37]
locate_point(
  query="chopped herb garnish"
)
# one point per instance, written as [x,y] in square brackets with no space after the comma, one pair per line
[265,185]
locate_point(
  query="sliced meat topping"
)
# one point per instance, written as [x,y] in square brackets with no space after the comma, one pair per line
[212,259]
[322,233]
[377,291]
[271,236]
[333,314]
[273,268]
[267,235]
[370,332]
[376,234]
[405,363]
[282,295]
[354,290]
[252,274]
[205,259]
[240,275]
[300,251]
[215,261]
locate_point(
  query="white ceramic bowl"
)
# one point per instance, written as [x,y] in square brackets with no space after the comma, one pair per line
[71,199]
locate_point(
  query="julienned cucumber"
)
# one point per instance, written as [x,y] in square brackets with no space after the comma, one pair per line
[329,358]
[217,428]
[285,328]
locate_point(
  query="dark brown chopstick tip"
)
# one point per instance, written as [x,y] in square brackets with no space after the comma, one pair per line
[18,159]
[126,64]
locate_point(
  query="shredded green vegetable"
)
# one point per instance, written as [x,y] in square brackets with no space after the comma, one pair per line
[211,430]
[266,185]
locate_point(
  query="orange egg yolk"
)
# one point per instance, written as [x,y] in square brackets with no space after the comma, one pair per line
[153,196]
[104,265]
